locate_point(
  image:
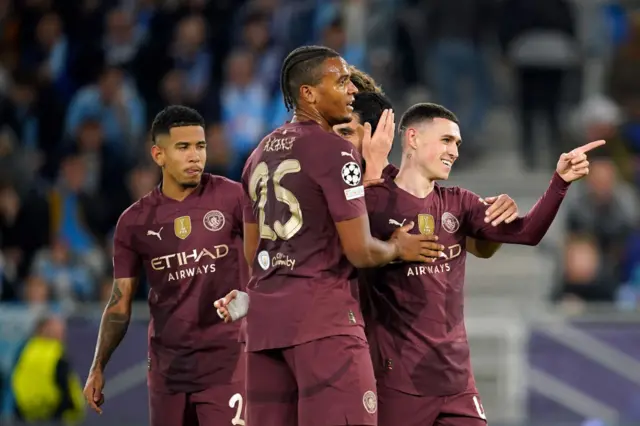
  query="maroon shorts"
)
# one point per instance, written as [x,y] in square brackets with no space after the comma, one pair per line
[217,405]
[326,382]
[399,408]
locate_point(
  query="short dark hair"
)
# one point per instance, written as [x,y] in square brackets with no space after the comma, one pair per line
[369,106]
[301,67]
[363,81]
[174,116]
[425,112]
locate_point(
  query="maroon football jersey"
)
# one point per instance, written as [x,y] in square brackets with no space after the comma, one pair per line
[192,255]
[301,180]
[390,171]
[414,311]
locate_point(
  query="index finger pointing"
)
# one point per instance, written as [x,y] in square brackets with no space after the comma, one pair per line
[588,147]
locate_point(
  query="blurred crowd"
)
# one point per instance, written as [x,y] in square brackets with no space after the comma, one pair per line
[81,80]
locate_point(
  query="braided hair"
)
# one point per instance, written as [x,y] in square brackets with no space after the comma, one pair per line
[301,67]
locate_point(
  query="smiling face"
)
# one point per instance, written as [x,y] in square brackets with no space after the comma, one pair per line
[434,143]
[182,155]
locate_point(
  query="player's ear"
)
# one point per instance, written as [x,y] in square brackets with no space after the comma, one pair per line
[411,136]
[157,154]
[308,94]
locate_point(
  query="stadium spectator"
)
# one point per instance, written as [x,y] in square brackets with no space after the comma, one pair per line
[586,276]
[245,103]
[599,220]
[538,40]
[257,39]
[80,81]
[457,45]
[44,385]
[114,101]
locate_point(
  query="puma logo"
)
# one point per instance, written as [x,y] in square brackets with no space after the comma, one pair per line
[348,154]
[396,223]
[157,234]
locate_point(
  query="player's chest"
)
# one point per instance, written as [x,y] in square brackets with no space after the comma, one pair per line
[187,235]
[430,220]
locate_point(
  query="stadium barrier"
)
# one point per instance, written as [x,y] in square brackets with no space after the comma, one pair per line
[551,370]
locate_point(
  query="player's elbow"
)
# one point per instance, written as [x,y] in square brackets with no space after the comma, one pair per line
[533,240]
[482,249]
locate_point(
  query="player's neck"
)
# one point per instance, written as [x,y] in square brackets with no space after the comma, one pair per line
[173,190]
[304,115]
[413,180]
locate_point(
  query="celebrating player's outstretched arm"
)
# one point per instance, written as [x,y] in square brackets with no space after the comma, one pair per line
[113,327]
[531,228]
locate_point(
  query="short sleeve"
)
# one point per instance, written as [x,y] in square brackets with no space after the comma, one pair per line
[248,215]
[373,198]
[247,210]
[238,201]
[126,261]
[339,175]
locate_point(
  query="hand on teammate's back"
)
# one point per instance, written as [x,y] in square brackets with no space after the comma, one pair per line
[575,165]
[502,208]
[93,390]
[416,247]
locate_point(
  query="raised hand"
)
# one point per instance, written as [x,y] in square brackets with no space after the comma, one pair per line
[376,147]
[416,247]
[501,209]
[575,165]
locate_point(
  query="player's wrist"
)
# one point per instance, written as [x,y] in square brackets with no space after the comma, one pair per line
[395,245]
[96,367]
[559,183]
[372,172]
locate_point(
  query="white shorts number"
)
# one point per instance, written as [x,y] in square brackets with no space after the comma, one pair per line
[476,402]
[237,419]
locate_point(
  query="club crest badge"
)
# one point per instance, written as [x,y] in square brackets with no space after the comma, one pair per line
[213,220]
[370,402]
[450,223]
